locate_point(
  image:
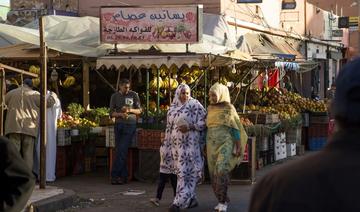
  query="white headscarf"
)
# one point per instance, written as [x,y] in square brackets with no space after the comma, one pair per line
[221,91]
[176,101]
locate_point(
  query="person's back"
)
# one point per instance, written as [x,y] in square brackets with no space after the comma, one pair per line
[23,108]
[326,180]
[16,180]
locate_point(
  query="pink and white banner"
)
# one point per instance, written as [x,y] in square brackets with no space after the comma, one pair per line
[162,24]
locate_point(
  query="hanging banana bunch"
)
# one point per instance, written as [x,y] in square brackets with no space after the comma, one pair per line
[173,71]
[153,83]
[196,72]
[163,70]
[69,81]
[34,69]
[173,84]
[36,82]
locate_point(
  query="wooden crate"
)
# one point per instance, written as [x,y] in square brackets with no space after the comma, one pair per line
[319,119]
[318,130]
[63,161]
[63,136]
[150,139]
[262,118]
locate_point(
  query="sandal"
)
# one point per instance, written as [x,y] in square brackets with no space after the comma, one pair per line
[221,207]
[155,201]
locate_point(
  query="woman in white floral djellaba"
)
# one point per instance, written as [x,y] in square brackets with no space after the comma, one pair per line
[181,151]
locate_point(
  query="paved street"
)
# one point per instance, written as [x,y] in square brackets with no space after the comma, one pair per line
[96,194]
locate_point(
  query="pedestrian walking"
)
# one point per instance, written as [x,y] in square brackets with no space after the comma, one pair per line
[225,142]
[180,151]
[328,179]
[124,107]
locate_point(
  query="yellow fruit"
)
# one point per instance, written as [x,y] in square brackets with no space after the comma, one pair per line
[36,82]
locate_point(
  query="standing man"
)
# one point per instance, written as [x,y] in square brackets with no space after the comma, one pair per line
[22,119]
[52,115]
[124,106]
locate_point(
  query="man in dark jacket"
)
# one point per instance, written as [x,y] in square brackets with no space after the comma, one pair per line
[329,179]
[16,179]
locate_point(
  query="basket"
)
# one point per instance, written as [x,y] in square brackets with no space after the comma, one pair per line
[150,139]
[63,137]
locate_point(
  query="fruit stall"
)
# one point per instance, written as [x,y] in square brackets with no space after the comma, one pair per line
[281,124]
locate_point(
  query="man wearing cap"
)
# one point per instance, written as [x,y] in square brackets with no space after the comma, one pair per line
[329,179]
[22,118]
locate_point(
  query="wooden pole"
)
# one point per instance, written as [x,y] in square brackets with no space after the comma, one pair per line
[86,92]
[2,100]
[43,89]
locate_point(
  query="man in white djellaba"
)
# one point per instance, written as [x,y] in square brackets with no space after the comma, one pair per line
[52,115]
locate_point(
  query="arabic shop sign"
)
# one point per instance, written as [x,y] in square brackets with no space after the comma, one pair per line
[165,24]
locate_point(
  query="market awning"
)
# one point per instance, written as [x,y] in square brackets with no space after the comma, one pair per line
[288,46]
[239,55]
[147,61]
[267,47]
[24,51]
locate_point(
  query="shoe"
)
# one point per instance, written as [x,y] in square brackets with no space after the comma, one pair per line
[216,208]
[174,208]
[117,181]
[221,207]
[155,201]
[193,203]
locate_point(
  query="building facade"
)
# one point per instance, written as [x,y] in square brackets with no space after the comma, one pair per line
[308,24]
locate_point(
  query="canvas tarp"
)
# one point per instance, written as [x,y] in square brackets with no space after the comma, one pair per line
[267,47]
[80,36]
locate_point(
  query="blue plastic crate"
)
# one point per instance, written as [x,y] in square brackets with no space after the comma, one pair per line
[317,143]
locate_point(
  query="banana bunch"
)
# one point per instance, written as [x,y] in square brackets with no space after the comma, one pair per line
[34,69]
[69,81]
[170,83]
[36,82]
[163,71]
[189,76]
[153,83]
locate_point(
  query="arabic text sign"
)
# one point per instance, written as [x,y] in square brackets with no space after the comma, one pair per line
[149,25]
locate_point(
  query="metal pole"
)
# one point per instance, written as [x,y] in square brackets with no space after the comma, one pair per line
[43,88]
[158,93]
[2,100]
[147,92]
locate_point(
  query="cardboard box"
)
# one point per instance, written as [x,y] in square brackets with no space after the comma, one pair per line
[280,152]
[291,149]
